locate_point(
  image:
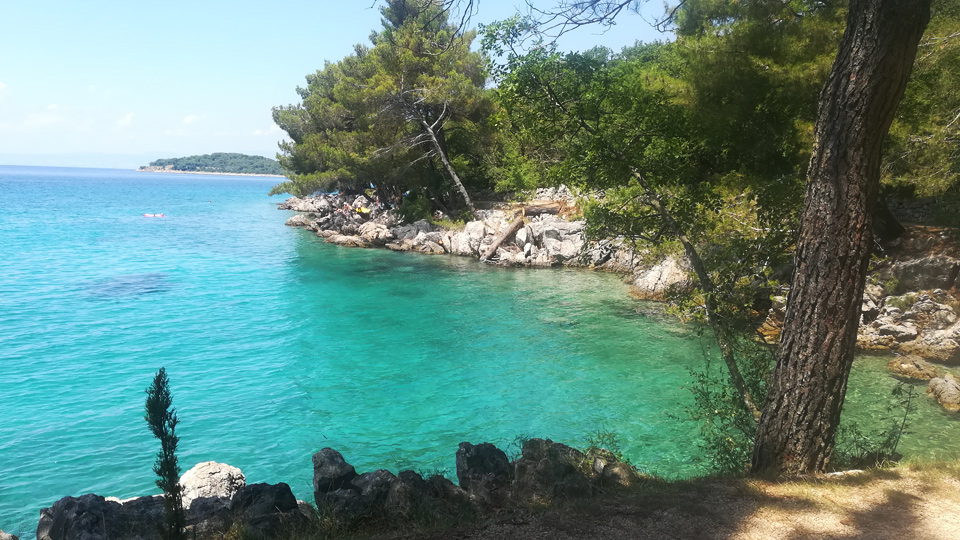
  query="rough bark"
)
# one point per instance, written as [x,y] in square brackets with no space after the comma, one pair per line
[798,426]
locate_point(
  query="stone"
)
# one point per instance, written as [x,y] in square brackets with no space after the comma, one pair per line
[653,283]
[267,510]
[331,472]
[375,234]
[7,536]
[299,220]
[374,486]
[932,272]
[947,391]
[549,469]
[406,492]
[483,471]
[912,367]
[431,248]
[92,517]
[899,332]
[346,240]
[210,484]
[619,474]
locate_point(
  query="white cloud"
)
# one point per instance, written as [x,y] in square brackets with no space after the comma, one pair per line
[126,120]
[53,107]
[272,130]
[192,118]
[3,87]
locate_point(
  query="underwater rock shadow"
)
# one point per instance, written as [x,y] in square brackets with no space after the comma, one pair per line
[127,286]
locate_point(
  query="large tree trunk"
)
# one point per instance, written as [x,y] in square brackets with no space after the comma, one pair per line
[798,427]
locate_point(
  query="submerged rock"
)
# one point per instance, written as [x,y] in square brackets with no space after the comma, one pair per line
[912,367]
[947,392]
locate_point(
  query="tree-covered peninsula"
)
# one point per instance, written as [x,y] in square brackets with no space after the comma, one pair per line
[219,162]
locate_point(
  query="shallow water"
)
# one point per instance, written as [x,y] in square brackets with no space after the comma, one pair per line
[278,345]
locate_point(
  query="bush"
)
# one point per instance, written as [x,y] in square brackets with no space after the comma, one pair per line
[162,419]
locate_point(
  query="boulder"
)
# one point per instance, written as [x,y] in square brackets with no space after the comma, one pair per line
[346,240]
[654,282]
[375,234]
[266,510]
[208,487]
[549,469]
[619,474]
[331,472]
[947,392]
[7,536]
[299,220]
[304,205]
[406,493]
[375,485]
[484,472]
[912,367]
[933,272]
[906,332]
[92,517]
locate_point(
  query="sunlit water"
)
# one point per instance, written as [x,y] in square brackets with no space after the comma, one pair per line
[278,345]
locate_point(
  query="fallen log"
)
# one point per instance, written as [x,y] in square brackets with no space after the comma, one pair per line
[512,229]
[541,209]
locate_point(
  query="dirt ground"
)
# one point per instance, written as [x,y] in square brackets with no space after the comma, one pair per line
[906,503]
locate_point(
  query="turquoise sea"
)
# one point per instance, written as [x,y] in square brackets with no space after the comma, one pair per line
[278,345]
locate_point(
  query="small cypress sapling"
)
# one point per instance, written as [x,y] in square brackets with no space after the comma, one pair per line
[162,419]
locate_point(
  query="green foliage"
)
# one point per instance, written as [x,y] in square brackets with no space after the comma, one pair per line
[856,449]
[922,156]
[414,208]
[367,119]
[222,163]
[726,427]
[162,420]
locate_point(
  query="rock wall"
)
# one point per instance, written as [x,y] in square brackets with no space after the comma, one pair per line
[221,501]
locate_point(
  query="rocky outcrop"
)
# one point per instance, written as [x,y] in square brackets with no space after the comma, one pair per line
[547,469]
[947,391]
[484,472]
[654,282]
[92,517]
[266,510]
[912,367]
[924,324]
[299,220]
[208,489]
[7,536]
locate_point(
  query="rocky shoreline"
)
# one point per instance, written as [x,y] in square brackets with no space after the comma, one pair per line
[218,501]
[911,306]
[171,171]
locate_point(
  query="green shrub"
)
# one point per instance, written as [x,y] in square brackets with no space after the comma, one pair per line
[162,419]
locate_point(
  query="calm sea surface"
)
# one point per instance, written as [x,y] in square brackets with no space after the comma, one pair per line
[278,345]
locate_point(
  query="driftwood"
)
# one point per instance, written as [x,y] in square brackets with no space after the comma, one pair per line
[541,209]
[512,229]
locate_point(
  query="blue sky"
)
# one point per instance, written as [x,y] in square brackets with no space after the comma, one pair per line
[120,83]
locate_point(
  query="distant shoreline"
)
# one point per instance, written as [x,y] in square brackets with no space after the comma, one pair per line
[161,170]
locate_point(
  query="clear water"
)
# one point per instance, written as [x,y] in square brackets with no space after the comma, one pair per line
[278,345]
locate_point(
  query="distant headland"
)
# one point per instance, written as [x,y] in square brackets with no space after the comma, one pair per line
[217,163]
